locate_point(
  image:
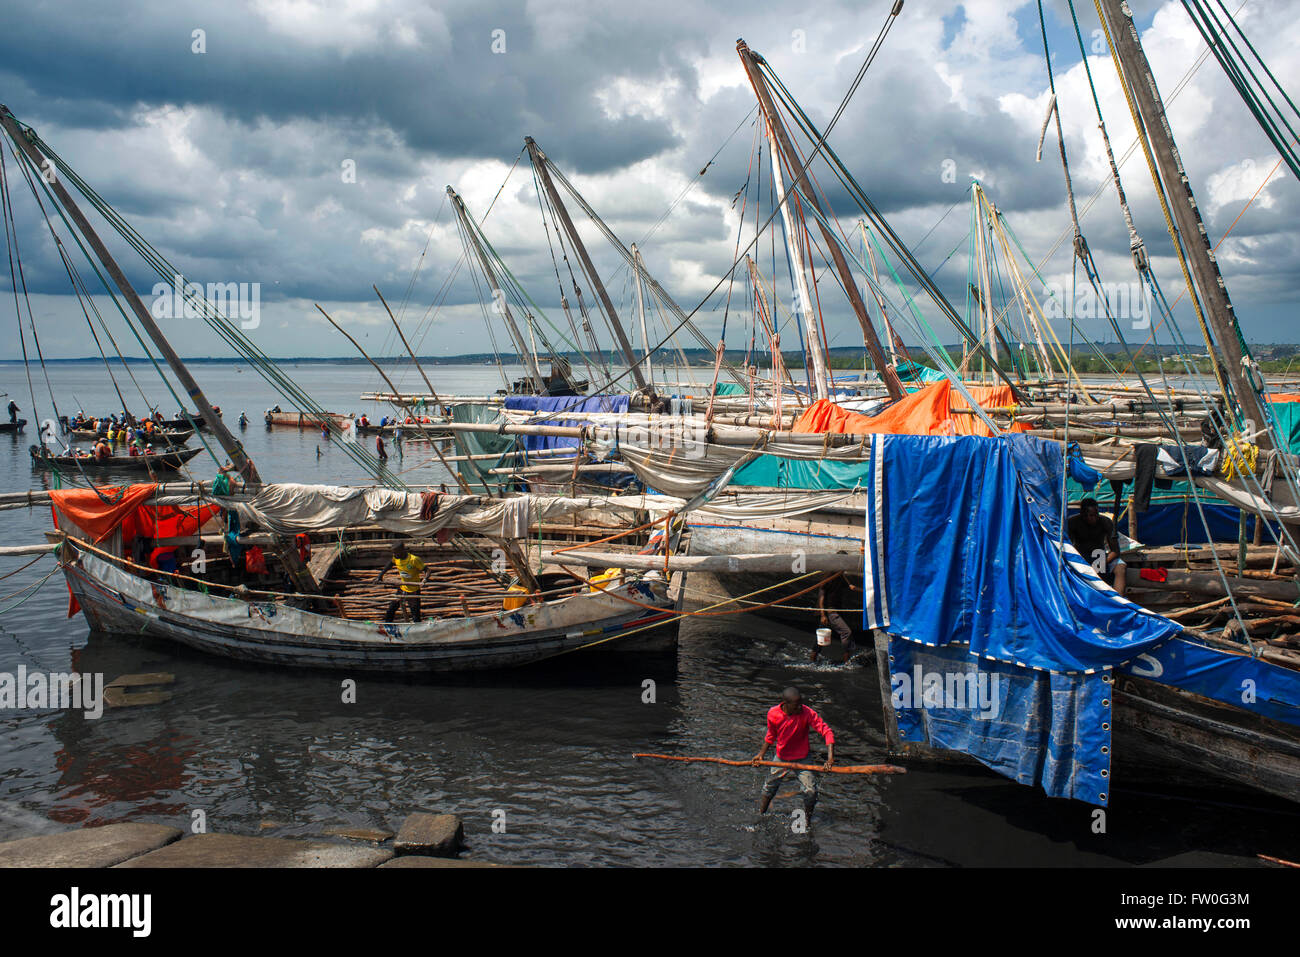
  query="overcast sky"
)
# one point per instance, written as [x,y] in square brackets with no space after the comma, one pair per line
[234,161]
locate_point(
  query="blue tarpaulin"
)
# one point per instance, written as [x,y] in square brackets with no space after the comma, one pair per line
[1236,679]
[561,404]
[963,556]
[1034,727]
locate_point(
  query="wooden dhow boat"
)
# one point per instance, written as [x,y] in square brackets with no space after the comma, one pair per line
[158,436]
[474,617]
[172,459]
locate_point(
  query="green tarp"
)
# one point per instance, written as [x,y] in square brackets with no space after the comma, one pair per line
[1287,415]
[728,388]
[773,471]
[478,473]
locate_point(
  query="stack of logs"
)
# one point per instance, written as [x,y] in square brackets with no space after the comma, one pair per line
[1263,585]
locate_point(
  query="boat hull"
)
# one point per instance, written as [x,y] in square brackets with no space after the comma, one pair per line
[116,463]
[114,601]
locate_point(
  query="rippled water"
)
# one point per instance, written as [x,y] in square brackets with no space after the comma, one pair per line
[546,750]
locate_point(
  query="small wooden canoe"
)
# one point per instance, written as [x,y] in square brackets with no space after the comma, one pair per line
[15,428]
[166,459]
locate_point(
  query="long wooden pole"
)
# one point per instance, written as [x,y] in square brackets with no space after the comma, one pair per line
[833,769]
[437,451]
[526,355]
[539,164]
[1219,314]
[418,368]
[228,442]
[801,183]
[238,457]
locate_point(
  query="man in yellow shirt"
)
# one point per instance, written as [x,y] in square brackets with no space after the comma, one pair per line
[411,569]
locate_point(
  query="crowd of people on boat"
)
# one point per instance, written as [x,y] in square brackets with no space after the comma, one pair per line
[111,426]
[103,450]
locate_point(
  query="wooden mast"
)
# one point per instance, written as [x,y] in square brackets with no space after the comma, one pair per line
[1219,314]
[539,164]
[525,353]
[638,268]
[287,554]
[794,245]
[751,61]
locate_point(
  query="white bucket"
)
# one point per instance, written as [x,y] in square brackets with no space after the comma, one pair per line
[823,637]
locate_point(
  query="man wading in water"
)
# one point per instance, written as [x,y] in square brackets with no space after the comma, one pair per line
[788,727]
[833,596]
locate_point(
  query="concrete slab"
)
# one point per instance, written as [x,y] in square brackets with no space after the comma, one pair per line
[89,847]
[436,835]
[141,681]
[372,834]
[417,860]
[237,850]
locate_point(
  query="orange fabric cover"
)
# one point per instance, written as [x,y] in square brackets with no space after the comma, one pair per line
[927,411]
[1283,397]
[85,509]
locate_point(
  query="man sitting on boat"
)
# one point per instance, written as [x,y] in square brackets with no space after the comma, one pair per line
[412,572]
[103,452]
[788,727]
[1093,536]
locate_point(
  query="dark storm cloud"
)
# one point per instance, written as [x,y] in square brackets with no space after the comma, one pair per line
[448,93]
[230,160]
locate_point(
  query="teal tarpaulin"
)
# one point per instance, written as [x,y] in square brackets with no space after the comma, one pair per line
[478,473]
[1287,415]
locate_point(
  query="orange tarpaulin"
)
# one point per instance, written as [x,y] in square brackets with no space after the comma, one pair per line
[1283,397]
[85,508]
[928,411]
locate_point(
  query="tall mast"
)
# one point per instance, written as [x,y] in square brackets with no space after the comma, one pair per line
[811,331]
[891,339]
[287,554]
[751,61]
[521,346]
[1218,311]
[539,164]
[638,268]
[238,457]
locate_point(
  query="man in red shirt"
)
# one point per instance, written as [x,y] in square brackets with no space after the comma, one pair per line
[788,727]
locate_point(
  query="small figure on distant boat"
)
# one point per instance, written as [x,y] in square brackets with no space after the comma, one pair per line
[412,571]
[13,412]
[788,728]
[325,431]
[832,598]
[1093,536]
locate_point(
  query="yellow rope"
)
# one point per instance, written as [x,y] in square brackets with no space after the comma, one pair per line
[1239,456]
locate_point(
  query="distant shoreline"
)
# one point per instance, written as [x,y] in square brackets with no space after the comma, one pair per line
[842,357]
